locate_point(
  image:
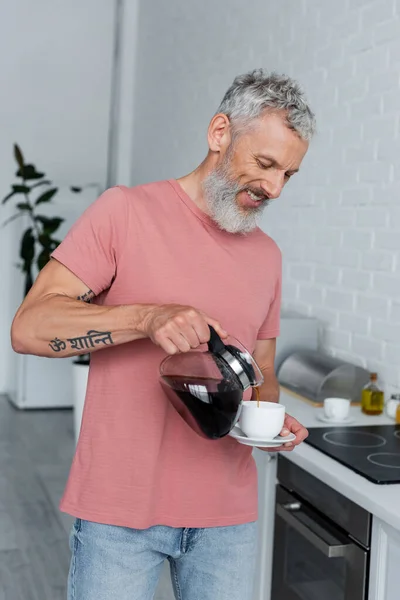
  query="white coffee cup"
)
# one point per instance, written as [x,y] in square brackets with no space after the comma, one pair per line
[262,422]
[336,409]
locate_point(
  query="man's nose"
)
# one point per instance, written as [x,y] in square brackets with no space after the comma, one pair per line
[272,186]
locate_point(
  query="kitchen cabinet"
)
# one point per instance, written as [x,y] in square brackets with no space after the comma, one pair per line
[384,583]
[41,382]
[380,501]
[266,467]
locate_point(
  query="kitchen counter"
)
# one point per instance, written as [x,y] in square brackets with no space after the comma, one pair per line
[383,501]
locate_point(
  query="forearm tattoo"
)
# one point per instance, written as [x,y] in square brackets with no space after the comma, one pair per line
[87,296]
[84,342]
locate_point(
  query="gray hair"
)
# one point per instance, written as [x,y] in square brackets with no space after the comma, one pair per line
[257,91]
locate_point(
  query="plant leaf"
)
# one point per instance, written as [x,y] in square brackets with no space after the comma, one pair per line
[75,189]
[28,278]
[28,172]
[43,258]
[47,196]
[44,240]
[18,156]
[10,195]
[54,224]
[49,225]
[21,189]
[12,218]
[48,243]
[27,250]
[24,206]
[16,189]
[42,219]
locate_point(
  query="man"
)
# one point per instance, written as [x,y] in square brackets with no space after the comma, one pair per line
[161,262]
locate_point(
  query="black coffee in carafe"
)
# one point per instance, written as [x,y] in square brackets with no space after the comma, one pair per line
[209,406]
[206,388]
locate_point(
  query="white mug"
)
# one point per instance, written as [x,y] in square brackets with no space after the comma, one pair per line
[336,409]
[262,422]
[391,407]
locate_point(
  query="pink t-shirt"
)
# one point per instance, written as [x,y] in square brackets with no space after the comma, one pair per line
[137,462]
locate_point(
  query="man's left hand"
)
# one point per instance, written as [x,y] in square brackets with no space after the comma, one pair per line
[291,425]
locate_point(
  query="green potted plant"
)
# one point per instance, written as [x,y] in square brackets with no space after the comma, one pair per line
[31,192]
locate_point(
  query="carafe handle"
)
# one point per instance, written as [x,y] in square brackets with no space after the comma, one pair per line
[215,344]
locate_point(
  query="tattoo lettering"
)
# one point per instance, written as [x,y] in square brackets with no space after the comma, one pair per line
[57,345]
[88,341]
[84,342]
[87,296]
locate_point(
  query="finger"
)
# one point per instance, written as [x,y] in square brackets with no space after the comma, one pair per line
[168,346]
[200,330]
[200,325]
[287,448]
[171,340]
[300,434]
[217,326]
[190,334]
[182,324]
[293,426]
[180,341]
[300,437]
[285,431]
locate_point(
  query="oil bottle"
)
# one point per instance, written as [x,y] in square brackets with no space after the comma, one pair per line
[372,397]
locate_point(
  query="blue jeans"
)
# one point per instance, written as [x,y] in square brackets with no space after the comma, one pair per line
[109,562]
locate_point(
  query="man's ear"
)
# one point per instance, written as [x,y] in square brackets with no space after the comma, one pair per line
[219,133]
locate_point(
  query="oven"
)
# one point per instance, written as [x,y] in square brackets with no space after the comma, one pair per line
[321,540]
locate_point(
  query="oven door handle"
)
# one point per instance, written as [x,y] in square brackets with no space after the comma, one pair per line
[288,511]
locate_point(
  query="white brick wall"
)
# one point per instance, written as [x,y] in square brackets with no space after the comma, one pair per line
[338,222]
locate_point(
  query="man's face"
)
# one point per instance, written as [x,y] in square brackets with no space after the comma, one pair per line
[252,171]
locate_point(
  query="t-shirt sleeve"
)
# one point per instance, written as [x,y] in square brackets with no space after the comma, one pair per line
[94,243]
[271,325]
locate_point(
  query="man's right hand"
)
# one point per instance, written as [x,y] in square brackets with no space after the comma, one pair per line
[178,328]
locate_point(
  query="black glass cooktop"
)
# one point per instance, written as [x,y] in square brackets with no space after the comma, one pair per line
[372,451]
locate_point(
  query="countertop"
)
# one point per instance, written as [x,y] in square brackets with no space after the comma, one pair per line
[382,501]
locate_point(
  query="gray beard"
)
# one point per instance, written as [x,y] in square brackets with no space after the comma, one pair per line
[220,194]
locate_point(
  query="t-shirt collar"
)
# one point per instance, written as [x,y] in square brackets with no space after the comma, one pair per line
[192,205]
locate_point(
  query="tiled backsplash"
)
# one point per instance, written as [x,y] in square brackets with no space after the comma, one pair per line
[338,221]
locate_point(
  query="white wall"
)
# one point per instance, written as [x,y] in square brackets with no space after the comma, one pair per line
[338,221]
[55,68]
[189,52]
[339,224]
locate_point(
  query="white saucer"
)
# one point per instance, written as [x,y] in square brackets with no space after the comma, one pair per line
[242,438]
[346,421]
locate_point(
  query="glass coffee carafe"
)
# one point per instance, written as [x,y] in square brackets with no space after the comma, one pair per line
[206,387]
